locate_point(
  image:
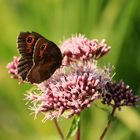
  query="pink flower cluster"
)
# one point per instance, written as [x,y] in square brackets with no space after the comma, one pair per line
[74,86]
[69,92]
[12,67]
[81,48]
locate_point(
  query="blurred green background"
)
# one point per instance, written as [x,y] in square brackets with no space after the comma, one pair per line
[116,20]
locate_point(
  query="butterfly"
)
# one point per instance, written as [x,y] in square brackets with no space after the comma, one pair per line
[39,59]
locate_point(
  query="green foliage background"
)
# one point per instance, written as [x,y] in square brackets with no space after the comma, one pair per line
[116,20]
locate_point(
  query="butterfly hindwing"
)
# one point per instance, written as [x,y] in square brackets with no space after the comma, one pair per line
[47,58]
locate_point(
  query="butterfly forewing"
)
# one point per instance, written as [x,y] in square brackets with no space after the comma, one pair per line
[26,42]
[24,65]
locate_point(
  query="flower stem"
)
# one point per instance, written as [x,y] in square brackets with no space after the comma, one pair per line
[108,124]
[58,129]
[77,135]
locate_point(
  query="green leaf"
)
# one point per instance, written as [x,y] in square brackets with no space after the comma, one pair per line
[73,127]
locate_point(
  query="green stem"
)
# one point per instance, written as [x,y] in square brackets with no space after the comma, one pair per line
[77,135]
[108,124]
[58,129]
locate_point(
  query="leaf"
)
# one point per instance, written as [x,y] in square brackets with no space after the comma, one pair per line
[73,127]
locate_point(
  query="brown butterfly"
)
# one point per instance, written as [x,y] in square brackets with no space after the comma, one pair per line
[39,57]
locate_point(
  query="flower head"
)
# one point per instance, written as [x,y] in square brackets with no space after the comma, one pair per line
[81,48]
[12,67]
[69,92]
[119,94]
[78,82]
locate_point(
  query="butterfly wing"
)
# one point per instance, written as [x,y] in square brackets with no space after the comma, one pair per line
[26,42]
[47,58]
[24,65]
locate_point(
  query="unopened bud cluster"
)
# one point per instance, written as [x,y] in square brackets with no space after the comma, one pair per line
[119,94]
